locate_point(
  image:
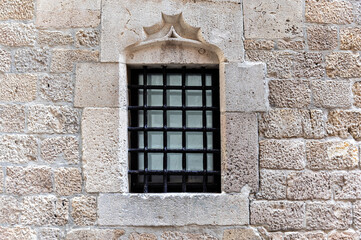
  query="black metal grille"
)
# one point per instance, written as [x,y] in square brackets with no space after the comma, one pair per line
[168,178]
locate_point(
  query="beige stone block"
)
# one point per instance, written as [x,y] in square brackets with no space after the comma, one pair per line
[104,143]
[144,236]
[356,90]
[18,87]
[331,94]
[67,181]
[241,234]
[349,235]
[94,234]
[309,185]
[347,185]
[28,180]
[97,85]
[63,150]
[239,151]
[54,38]
[17,233]
[272,185]
[32,60]
[12,118]
[324,11]
[17,10]
[173,235]
[350,39]
[2,183]
[87,38]
[357,214]
[289,94]
[328,216]
[309,65]
[278,215]
[50,234]
[332,155]
[56,87]
[344,123]
[322,38]
[10,210]
[305,236]
[252,44]
[17,34]
[18,149]
[5,61]
[64,59]
[45,210]
[273,19]
[343,64]
[52,119]
[291,45]
[84,210]
[67,13]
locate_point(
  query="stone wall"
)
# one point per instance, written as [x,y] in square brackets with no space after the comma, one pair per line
[290,122]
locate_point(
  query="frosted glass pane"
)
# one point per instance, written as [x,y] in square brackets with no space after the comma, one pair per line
[208,80]
[140,139]
[194,98]
[209,161]
[209,115]
[141,161]
[140,97]
[155,118]
[174,119]
[194,119]
[155,161]
[174,161]
[155,139]
[174,79]
[174,140]
[140,118]
[208,98]
[140,79]
[194,140]
[209,140]
[155,79]
[194,161]
[174,98]
[193,80]
[155,97]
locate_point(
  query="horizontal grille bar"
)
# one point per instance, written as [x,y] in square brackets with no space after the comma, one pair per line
[174,172]
[163,150]
[172,87]
[172,129]
[171,108]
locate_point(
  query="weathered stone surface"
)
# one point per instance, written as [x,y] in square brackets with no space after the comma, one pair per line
[350,38]
[273,185]
[271,20]
[54,38]
[45,210]
[5,61]
[87,38]
[241,234]
[322,37]
[290,94]
[245,89]
[177,236]
[308,65]
[252,44]
[64,59]
[345,235]
[18,87]
[328,216]
[344,123]
[105,137]
[17,233]
[97,85]
[50,234]
[17,10]
[28,180]
[94,234]
[32,60]
[17,34]
[12,118]
[331,94]
[2,183]
[343,64]
[56,87]
[356,90]
[10,209]
[18,148]
[347,185]
[337,12]
[67,14]
[148,210]
[306,236]
[309,185]
[291,45]
[278,215]
[240,151]
[331,155]
[52,119]
[142,236]
[60,150]
[357,214]
[287,123]
[67,181]
[84,210]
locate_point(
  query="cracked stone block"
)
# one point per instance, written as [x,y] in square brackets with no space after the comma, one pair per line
[289,94]
[324,11]
[32,60]
[18,149]
[344,123]
[18,87]
[56,87]
[332,94]
[64,150]
[67,181]
[84,210]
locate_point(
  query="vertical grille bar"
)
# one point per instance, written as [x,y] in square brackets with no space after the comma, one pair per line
[184,160]
[165,167]
[145,117]
[204,118]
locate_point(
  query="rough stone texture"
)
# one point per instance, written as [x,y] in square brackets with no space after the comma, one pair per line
[97,85]
[245,87]
[60,150]
[177,236]
[271,20]
[331,155]
[17,34]
[28,180]
[240,234]
[94,234]
[347,185]
[2,182]
[240,151]
[324,11]
[251,44]
[67,181]
[5,61]
[357,214]
[305,236]
[52,119]
[345,235]
[278,215]
[87,38]
[328,216]
[287,123]
[148,210]
[45,210]
[17,10]
[272,185]
[309,185]
[143,236]
[18,149]
[67,14]
[64,59]
[331,94]
[322,37]
[356,90]
[84,210]
[309,65]
[56,87]
[18,87]
[10,210]
[291,45]
[17,233]
[350,39]
[54,38]
[343,64]
[50,234]
[344,123]
[32,60]
[289,94]
[12,118]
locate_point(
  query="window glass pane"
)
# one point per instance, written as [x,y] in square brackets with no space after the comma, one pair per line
[155,139]
[140,139]
[141,161]
[174,79]
[174,98]
[155,161]
[140,79]
[194,98]
[209,140]
[208,80]
[174,119]
[155,118]
[209,161]
[174,161]
[193,80]
[155,97]
[174,140]
[209,115]
[155,79]
[194,161]
[194,140]
[208,98]
[141,118]
[140,97]
[194,119]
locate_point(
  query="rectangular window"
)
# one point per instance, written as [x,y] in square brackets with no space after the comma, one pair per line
[174,130]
